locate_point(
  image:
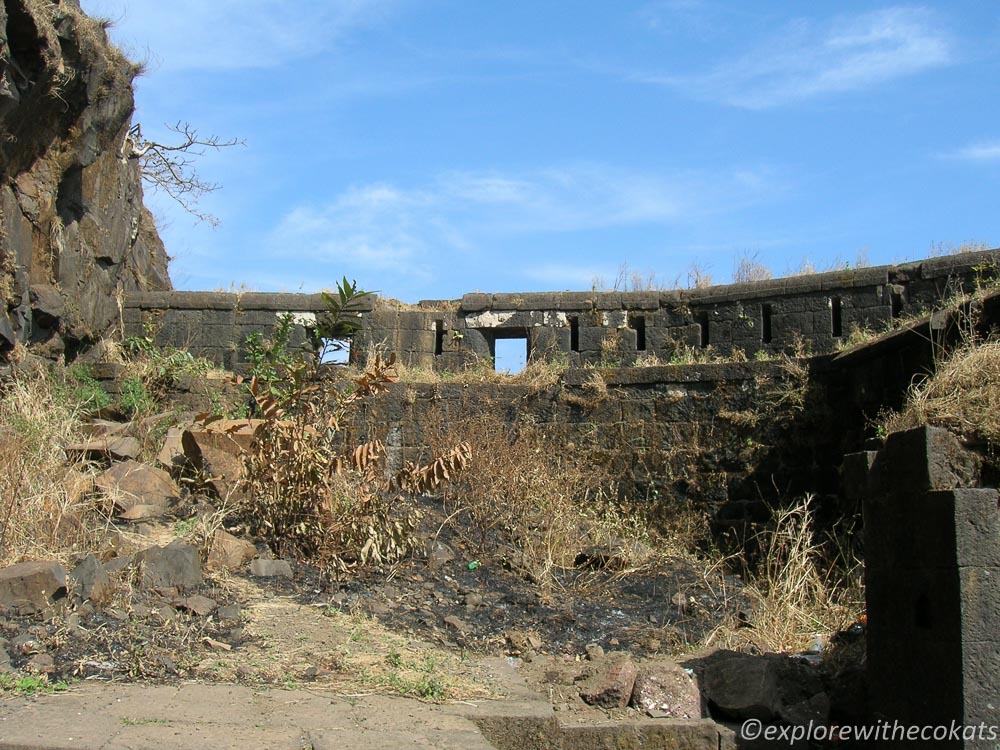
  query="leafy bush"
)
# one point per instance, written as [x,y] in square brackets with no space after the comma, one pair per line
[306,499]
[134,400]
[299,493]
[81,389]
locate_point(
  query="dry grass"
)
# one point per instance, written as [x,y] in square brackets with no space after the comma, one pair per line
[44,510]
[797,591]
[963,395]
[539,373]
[529,498]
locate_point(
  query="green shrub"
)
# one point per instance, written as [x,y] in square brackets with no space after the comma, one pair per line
[135,399]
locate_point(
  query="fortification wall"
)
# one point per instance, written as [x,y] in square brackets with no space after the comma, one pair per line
[596,328]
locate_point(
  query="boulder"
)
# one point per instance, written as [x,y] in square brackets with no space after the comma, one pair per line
[32,587]
[217,451]
[196,605]
[172,451]
[775,686]
[91,580]
[611,685]
[47,305]
[666,690]
[131,484]
[176,565]
[228,552]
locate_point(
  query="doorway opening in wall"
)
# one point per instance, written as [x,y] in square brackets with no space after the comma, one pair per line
[510,354]
[331,355]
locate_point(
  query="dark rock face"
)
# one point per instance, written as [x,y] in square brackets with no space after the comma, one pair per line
[74,233]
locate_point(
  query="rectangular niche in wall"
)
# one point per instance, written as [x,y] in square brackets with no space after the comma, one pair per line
[765,324]
[638,324]
[702,319]
[836,317]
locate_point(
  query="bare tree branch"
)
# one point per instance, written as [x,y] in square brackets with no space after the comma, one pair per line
[171,168]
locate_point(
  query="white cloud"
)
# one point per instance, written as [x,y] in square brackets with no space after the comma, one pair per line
[805,60]
[981,151]
[386,228]
[184,35]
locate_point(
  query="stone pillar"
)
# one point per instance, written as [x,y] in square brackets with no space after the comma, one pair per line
[932,556]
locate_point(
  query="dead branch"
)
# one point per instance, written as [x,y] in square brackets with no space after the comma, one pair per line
[171,167]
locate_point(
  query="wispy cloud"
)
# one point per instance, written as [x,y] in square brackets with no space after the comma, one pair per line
[979,151]
[457,216]
[186,35]
[806,59]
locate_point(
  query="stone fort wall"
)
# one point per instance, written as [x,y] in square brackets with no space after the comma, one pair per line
[578,328]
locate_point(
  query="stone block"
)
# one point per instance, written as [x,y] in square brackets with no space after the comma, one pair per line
[31,587]
[421,342]
[476,302]
[641,300]
[549,342]
[412,320]
[176,565]
[980,603]
[130,483]
[977,527]
[590,338]
[926,458]
[575,301]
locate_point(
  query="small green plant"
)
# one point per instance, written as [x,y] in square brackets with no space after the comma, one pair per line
[82,389]
[134,398]
[394,659]
[29,684]
[270,358]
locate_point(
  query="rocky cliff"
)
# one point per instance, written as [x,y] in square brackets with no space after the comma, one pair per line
[74,234]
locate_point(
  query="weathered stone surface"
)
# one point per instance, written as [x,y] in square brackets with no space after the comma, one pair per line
[196,605]
[131,484]
[611,685]
[176,565]
[228,552]
[741,686]
[263,568]
[666,691]
[173,450]
[32,586]
[117,447]
[91,579]
[71,210]
[217,450]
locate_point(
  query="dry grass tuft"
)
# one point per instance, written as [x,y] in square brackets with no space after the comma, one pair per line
[44,511]
[963,395]
[525,497]
[797,592]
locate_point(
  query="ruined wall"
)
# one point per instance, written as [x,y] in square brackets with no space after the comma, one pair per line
[722,438]
[216,325]
[597,328]
[932,573]
[74,233]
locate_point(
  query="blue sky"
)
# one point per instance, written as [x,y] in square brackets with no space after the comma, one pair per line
[430,148]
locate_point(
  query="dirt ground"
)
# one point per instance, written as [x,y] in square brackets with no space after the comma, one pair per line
[420,628]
